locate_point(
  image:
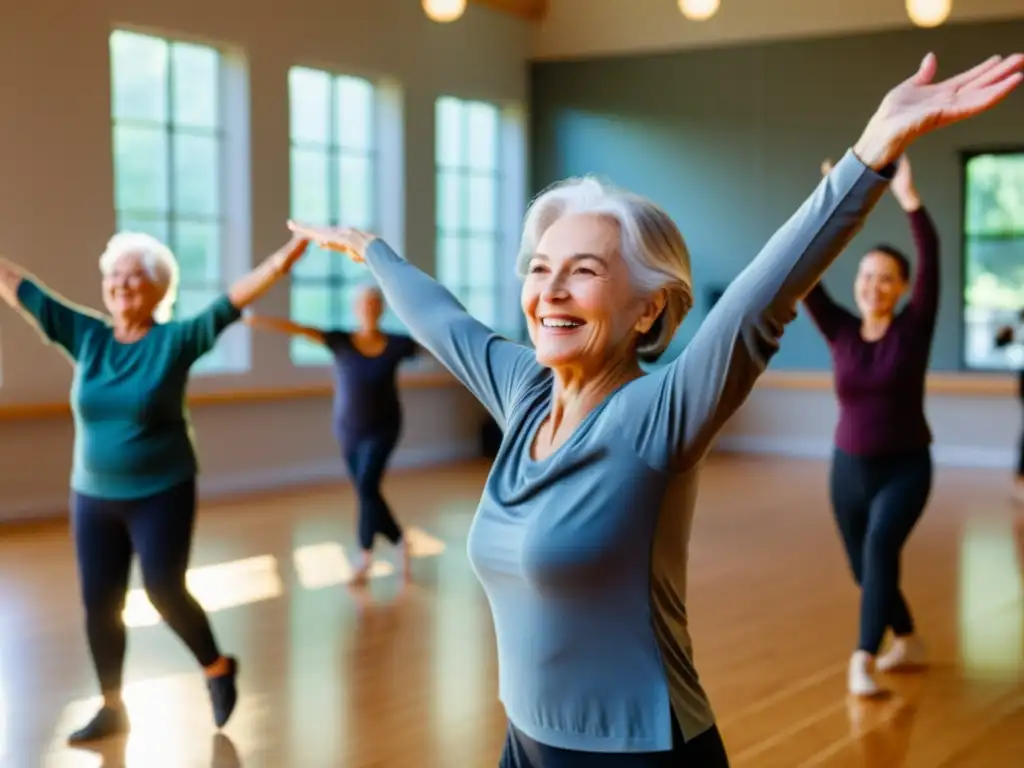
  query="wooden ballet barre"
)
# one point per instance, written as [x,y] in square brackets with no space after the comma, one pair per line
[937,383]
[408,380]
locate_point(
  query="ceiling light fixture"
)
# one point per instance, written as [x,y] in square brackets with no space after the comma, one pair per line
[929,13]
[699,10]
[444,11]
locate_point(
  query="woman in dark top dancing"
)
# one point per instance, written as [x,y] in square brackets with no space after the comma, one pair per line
[367,411]
[881,467]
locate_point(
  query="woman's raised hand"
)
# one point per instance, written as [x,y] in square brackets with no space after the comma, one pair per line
[903,188]
[918,106]
[352,242]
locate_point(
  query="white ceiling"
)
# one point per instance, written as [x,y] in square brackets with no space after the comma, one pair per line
[580,28]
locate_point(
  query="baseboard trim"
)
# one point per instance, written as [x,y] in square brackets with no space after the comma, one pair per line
[212,487]
[965,456]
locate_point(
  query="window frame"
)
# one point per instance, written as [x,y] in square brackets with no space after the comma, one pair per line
[232,215]
[965,157]
[335,282]
[499,175]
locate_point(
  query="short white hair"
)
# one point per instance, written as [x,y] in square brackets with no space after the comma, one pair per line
[157,260]
[651,244]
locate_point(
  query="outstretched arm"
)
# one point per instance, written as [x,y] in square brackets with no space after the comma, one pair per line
[200,333]
[924,297]
[826,314]
[59,321]
[282,325]
[695,395]
[252,286]
[10,278]
[493,368]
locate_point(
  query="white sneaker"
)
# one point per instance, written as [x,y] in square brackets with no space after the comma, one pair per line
[859,679]
[904,653]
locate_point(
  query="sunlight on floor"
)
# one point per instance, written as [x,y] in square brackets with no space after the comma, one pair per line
[326,564]
[422,544]
[216,587]
[991,600]
[255,579]
[161,710]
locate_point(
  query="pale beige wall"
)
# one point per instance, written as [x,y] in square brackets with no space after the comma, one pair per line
[56,204]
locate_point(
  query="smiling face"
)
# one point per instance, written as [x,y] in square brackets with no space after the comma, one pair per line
[581,309]
[128,291]
[879,284]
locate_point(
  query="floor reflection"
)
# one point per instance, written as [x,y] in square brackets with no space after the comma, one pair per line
[394,674]
[882,729]
[991,599]
[114,754]
[216,587]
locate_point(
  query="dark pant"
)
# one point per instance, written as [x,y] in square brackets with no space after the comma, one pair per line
[367,458]
[703,751]
[159,529]
[877,501]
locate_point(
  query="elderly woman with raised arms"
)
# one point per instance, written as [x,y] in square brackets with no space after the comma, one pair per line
[580,539]
[133,479]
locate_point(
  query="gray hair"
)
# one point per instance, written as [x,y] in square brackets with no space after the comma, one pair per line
[652,246]
[157,260]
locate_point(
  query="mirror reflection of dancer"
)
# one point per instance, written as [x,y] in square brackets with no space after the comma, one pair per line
[133,480]
[367,412]
[881,474]
[581,536]
[1006,336]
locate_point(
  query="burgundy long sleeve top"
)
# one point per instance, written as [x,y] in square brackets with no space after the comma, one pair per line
[880,384]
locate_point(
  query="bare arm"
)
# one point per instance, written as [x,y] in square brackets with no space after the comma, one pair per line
[282,325]
[199,334]
[252,286]
[10,278]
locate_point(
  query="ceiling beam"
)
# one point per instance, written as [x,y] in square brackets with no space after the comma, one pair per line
[531,10]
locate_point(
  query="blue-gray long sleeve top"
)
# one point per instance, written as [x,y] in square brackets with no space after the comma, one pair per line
[583,554]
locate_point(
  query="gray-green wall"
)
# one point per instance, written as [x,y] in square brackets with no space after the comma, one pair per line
[730,141]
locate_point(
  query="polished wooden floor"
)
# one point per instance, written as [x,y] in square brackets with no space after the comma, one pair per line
[401,676]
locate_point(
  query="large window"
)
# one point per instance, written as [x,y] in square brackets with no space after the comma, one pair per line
[993,255]
[469,205]
[168,159]
[333,181]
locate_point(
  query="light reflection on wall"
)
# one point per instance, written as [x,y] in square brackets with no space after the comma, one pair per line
[215,587]
[991,606]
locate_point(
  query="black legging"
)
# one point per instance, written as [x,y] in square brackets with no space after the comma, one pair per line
[877,501]
[705,750]
[159,528]
[367,458]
